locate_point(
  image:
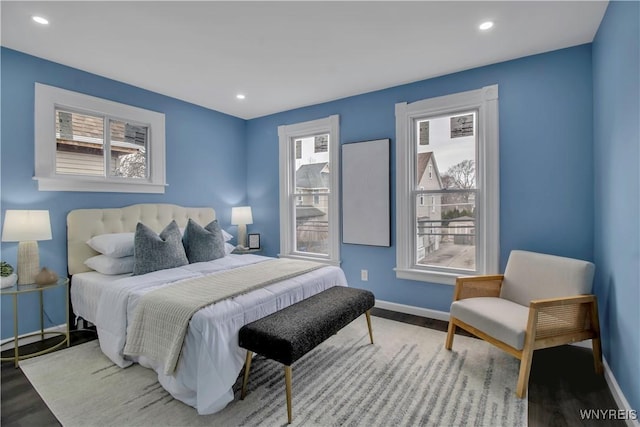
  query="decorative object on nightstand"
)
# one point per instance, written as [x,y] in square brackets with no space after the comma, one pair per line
[7,276]
[241,216]
[46,277]
[27,227]
[254,241]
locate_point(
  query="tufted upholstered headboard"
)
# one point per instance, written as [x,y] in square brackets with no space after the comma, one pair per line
[83,224]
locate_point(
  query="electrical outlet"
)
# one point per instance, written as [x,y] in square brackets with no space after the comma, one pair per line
[364,275]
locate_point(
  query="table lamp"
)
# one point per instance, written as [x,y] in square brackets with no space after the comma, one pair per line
[241,216]
[26,227]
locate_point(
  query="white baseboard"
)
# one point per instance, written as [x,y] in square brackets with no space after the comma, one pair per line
[417,311]
[616,392]
[618,396]
[28,340]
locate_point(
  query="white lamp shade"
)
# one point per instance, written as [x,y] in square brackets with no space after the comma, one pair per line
[23,226]
[241,215]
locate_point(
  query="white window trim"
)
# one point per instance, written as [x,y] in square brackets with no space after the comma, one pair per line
[484,100]
[286,134]
[47,98]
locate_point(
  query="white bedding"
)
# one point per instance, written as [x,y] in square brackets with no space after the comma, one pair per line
[211,358]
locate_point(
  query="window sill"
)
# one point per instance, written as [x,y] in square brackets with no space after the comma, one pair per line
[428,276]
[62,184]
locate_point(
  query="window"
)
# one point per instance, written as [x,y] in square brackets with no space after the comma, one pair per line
[309,190]
[298,149]
[321,144]
[83,143]
[457,232]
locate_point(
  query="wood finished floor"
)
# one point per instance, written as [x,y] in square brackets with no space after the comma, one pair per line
[562,382]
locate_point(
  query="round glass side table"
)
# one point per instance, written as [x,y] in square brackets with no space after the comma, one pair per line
[17,290]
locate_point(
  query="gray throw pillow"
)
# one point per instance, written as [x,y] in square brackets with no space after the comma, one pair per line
[203,244]
[152,252]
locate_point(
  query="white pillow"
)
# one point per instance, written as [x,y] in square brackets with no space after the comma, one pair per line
[228,248]
[108,265]
[115,245]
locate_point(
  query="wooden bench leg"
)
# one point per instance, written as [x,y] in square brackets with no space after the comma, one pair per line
[287,381]
[247,367]
[369,325]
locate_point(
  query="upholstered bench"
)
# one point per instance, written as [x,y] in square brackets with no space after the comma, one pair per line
[287,335]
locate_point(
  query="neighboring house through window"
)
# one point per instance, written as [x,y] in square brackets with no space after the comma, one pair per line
[456,232]
[298,149]
[83,143]
[309,190]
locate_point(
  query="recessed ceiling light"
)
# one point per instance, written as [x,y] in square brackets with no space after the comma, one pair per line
[240,96]
[40,20]
[486,25]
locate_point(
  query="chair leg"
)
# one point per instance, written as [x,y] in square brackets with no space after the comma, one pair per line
[450,333]
[525,370]
[369,325]
[247,367]
[597,355]
[595,342]
[287,380]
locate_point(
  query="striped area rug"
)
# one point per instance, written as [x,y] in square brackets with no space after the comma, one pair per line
[406,378]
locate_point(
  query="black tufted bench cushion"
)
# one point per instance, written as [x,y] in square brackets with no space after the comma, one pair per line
[288,334]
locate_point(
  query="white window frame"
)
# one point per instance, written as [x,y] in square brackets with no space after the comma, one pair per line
[287,134]
[48,98]
[485,101]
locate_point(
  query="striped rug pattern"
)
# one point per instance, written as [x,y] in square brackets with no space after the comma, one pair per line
[406,378]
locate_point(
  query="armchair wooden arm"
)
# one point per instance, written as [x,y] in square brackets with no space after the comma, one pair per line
[478,286]
[558,321]
[566,320]
[554,302]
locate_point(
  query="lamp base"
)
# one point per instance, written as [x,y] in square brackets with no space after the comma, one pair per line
[28,262]
[242,235]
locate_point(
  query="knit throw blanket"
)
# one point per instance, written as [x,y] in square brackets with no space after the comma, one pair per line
[161,318]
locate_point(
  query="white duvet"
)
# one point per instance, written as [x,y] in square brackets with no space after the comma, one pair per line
[211,358]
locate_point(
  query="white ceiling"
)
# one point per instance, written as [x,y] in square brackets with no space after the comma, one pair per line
[285,55]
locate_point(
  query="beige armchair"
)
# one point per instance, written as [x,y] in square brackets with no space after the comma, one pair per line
[540,301]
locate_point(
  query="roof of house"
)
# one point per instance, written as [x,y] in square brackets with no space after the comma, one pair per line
[313,175]
[423,161]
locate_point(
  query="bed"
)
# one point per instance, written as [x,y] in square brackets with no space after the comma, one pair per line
[210,359]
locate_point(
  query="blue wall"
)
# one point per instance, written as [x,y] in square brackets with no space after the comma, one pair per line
[205,164]
[569,161]
[616,118]
[546,163]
